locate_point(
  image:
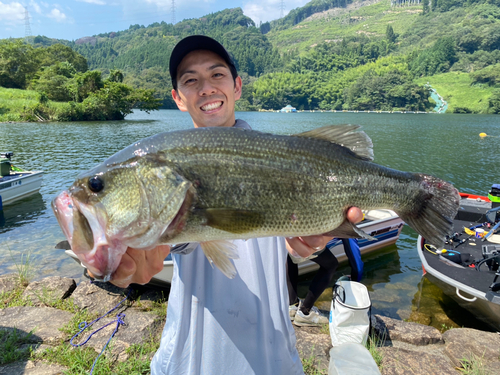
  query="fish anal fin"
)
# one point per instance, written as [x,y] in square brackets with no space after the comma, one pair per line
[232,220]
[349,230]
[344,135]
[220,253]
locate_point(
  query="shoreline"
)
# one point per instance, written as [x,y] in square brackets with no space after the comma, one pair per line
[44,315]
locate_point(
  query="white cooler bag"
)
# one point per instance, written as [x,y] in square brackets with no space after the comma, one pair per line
[349,313]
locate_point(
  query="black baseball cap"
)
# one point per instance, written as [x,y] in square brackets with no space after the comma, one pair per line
[194,43]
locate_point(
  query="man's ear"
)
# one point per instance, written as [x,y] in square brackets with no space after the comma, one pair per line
[178,100]
[237,88]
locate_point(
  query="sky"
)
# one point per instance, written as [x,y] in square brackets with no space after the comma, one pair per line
[73,19]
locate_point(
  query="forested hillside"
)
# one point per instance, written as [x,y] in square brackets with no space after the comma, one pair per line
[58,86]
[329,54]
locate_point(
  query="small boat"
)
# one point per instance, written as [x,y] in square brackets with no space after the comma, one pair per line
[288,109]
[384,225]
[15,183]
[468,268]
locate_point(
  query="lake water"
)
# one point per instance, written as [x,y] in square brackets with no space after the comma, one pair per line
[447,146]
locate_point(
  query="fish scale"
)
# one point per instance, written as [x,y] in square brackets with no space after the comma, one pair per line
[214,184]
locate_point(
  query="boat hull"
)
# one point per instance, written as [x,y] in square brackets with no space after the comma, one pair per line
[469,298]
[19,186]
[465,285]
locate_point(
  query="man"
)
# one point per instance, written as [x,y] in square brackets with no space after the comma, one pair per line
[217,325]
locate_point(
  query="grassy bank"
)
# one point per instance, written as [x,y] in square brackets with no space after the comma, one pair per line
[456,89]
[14,101]
[16,105]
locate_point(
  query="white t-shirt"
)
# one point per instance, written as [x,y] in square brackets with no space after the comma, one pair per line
[221,326]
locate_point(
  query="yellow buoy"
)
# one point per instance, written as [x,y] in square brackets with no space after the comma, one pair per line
[482,135]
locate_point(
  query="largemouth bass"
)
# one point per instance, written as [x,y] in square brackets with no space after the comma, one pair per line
[210,185]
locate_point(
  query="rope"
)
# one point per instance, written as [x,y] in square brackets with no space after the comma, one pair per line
[84,325]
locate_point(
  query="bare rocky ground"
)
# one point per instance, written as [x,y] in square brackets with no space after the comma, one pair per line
[405,348]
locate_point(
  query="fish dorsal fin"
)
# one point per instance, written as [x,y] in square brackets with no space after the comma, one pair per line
[344,135]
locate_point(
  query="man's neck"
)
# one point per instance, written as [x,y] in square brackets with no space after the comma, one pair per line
[229,124]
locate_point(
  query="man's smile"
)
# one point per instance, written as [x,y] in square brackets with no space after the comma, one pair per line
[211,106]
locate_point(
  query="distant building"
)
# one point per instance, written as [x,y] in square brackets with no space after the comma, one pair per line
[288,109]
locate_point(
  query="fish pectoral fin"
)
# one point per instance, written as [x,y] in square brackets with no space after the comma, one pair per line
[349,230]
[232,220]
[344,135]
[220,253]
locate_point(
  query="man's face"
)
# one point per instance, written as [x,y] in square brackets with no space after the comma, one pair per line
[206,89]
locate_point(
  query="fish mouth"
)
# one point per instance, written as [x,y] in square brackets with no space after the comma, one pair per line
[83,228]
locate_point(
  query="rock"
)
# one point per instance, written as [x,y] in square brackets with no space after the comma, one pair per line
[412,333]
[398,361]
[403,314]
[384,295]
[8,282]
[43,322]
[31,368]
[419,317]
[49,289]
[401,286]
[491,368]
[311,343]
[98,297]
[148,299]
[138,328]
[471,344]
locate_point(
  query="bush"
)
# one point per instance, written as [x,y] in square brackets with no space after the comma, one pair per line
[462,110]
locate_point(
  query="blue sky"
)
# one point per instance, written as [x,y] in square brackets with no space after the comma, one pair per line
[73,19]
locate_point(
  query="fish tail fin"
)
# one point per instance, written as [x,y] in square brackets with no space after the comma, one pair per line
[434,209]
[220,253]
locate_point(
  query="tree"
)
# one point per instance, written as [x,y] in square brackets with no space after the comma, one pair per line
[265,27]
[18,64]
[494,102]
[84,84]
[436,59]
[116,100]
[115,75]
[60,53]
[425,6]
[53,82]
[390,35]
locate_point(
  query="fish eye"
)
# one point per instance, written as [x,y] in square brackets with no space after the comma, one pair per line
[96,184]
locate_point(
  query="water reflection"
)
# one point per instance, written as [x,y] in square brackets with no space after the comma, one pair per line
[432,307]
[22,212]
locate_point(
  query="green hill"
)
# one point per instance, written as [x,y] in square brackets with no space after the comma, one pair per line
[328,54]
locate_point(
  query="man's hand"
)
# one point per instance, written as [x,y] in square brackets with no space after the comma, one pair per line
[305,246]
[139,266]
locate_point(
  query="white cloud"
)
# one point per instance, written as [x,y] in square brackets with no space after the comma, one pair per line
[12,13]
[268,10]
[57,15]
[98,2]
[35,6]
[167,4]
